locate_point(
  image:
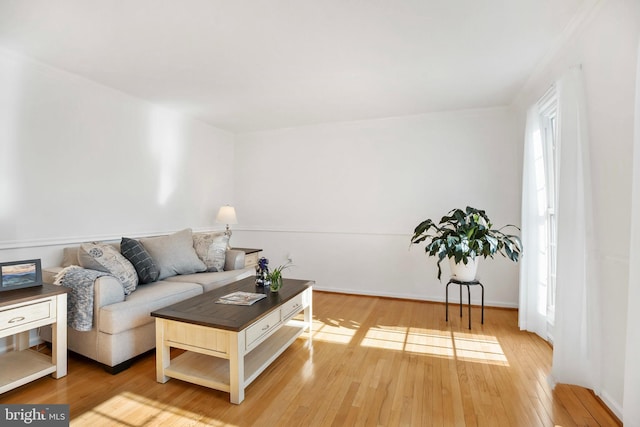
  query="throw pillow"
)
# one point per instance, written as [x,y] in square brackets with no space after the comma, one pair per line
[106,258]
[211,249]
[137,255]
[70,256]
[174,254]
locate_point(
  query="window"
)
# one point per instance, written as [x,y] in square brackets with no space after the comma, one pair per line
[549,130]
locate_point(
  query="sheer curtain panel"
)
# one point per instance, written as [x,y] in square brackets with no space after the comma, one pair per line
[577,337]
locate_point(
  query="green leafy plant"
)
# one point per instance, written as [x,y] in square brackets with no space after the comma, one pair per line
[464,235]
[275,276]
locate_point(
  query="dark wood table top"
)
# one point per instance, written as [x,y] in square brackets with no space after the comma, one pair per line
[203,309]
[16,296]
[248,250]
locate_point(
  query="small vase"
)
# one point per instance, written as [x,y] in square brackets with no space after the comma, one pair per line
[276,284]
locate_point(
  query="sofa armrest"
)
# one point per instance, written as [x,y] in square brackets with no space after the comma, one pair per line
[107,290]
[49,274]
[234,260]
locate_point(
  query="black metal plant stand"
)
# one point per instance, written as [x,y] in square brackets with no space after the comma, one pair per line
[462,283]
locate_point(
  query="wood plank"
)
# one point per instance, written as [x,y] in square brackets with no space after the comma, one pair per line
[408,375]
[574,406]
[601,414]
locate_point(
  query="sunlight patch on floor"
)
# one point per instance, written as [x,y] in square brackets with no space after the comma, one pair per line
[130,409]
[486,348]
[333,332]
[479,348]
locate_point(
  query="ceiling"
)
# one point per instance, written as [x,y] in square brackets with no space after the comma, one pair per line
[263,64]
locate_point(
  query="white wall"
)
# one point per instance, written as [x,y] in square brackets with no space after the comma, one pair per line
[605,46]
[632,368]
[79,161]
[344,198]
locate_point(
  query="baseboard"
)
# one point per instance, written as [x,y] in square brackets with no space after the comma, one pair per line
[411,297]
[611,405]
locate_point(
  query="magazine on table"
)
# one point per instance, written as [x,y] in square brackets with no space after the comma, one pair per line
[240,298]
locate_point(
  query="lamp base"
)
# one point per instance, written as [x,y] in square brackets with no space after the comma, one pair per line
[228,233]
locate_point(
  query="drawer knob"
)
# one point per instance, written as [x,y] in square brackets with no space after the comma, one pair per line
[265,327]
[17,319]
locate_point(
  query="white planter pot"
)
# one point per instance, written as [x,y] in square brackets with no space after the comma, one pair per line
[465,272]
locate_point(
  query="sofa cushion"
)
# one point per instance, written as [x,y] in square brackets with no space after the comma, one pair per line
[213,280]
[211,248]
[70,256]
[136,309]
[174,254]
[104,257]
[145,266]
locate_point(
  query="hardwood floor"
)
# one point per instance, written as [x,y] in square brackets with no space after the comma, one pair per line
[373,361]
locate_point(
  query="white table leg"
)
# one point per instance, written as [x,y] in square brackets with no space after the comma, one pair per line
[308,315]
[163,356]
[59,338]
[236,367]
[21,341]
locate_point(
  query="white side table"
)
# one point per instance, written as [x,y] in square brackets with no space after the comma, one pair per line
[251,256]
[20,311]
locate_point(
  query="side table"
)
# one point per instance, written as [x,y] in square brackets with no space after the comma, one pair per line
[20,311]
[251,256]
[462,283]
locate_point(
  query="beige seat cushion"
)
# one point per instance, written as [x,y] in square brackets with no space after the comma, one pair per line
[135,311]
[214,280]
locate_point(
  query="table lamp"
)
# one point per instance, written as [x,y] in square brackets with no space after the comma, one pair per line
[227,215]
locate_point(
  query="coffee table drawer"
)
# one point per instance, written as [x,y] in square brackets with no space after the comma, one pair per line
[262,327]
[292,307]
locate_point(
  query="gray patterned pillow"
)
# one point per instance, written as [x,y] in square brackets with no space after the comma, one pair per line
[211,249]
[106,258]
[174,254]
[137,255]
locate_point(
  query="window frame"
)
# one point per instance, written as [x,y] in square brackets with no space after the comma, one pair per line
[549,120]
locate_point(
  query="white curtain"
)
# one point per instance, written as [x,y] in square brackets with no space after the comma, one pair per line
[532,311]
[577,337]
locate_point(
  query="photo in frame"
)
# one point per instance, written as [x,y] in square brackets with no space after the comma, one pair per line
[20,274]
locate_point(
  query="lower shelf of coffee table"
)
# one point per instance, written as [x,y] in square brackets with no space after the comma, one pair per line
[214,372]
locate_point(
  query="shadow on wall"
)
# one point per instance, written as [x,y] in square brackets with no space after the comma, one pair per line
[166,128]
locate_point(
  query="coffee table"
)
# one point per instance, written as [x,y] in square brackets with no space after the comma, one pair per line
[228,346]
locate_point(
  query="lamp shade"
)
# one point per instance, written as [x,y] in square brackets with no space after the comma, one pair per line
[227,215]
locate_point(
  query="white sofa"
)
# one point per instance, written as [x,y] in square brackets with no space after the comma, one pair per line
[122,326]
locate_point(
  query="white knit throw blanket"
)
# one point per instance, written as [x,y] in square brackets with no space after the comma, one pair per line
[80,299]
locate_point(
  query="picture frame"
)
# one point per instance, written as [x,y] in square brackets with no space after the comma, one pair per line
[20,274]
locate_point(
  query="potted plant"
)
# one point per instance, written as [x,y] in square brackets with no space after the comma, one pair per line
[275,277]
[463,236]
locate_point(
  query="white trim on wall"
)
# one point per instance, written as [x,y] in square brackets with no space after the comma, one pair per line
[319,230]
[453,297]
[38,243]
